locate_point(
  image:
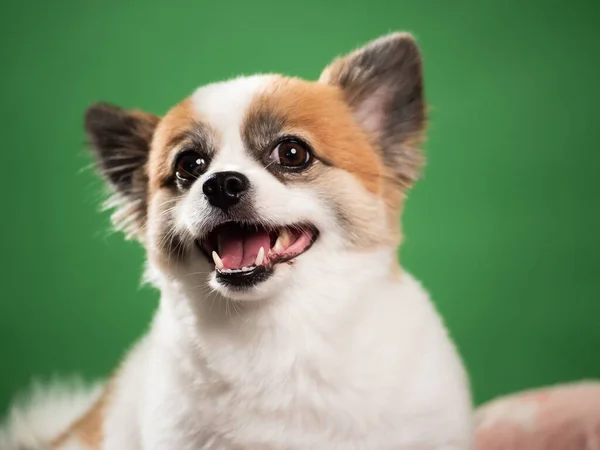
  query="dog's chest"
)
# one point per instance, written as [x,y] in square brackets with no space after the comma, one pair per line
[307,403]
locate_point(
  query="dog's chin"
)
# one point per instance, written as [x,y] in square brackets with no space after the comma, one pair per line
[263,285]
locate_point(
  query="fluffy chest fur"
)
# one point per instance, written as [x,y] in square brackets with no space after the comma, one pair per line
[392,382]
[367,380]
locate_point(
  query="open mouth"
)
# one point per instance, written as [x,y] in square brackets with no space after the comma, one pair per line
[245,254]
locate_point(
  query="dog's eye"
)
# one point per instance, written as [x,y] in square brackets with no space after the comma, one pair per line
[292,154]
[189,166]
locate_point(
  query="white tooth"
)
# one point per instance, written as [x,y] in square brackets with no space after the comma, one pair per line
[260,257]
[283,241]
[286,238]
[217,260]
[278,248]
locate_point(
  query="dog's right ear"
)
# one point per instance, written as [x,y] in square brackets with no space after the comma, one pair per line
[120,140]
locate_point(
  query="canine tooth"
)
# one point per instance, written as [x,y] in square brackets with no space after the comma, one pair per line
[260,257]
[283,241]
[217,260]
[286,238]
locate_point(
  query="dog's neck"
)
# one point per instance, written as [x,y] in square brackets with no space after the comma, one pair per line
[326,300]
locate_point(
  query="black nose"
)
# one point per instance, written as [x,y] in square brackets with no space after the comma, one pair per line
[224,189]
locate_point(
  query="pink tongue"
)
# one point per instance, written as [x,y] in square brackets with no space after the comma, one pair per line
[231,247]
[252,244]
[239,248]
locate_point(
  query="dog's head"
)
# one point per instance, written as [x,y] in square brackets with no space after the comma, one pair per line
[250,179]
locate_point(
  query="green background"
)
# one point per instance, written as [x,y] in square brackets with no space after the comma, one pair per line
[504,229]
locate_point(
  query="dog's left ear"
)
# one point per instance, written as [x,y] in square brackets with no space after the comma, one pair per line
[383,84]
[120,140]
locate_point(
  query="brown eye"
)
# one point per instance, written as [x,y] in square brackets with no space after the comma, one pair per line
[291,154]
[189,166]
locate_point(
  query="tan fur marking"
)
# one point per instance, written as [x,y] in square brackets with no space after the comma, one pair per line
[88,430]
[319,112]
[177,121]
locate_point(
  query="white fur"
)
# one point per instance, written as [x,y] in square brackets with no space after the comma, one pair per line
[333,352]
[331,364]
[44,412]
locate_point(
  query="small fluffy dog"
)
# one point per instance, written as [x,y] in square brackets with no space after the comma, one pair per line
[269,208]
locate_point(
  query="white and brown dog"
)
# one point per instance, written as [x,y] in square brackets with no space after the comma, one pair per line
[269,208]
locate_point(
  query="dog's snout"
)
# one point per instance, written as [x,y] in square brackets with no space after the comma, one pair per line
[224,189]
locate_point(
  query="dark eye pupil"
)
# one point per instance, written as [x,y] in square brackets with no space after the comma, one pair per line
[189,166]
[291,154]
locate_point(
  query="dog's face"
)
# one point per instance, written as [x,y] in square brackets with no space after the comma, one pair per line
[248,180]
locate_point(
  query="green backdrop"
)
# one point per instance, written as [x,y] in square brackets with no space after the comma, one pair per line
[504,229]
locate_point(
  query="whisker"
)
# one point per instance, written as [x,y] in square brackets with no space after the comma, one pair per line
[271,163]
[120,168]
[167,211]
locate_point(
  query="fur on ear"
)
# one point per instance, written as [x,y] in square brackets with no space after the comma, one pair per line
[120,140]
[383,84]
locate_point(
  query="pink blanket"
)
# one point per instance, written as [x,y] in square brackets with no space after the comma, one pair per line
[564,417]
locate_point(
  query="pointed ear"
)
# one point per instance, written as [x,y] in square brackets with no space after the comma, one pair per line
[120,141]
[383,84]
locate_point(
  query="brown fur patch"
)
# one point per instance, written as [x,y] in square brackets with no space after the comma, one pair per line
[88,430]
[175,123]
[319,113]
[182,124]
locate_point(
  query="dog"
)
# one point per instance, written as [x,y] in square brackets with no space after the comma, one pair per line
[269,208]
